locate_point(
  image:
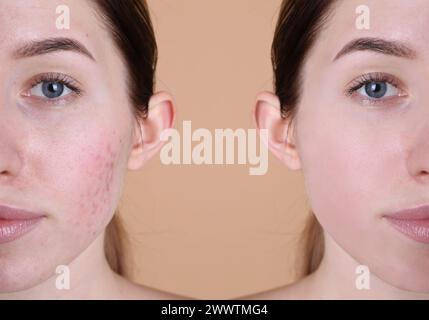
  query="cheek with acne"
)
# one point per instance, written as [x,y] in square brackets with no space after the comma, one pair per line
[96,199]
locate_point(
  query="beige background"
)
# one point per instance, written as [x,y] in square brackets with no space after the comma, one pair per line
[214,232]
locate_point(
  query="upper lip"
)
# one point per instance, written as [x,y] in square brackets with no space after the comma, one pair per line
[9,213]
[416,213]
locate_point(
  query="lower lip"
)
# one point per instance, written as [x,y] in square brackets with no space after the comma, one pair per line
[11,230]
[417,230]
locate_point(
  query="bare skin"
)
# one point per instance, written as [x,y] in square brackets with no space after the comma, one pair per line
[92,278]
[335,279]
[67,157]
[361,156]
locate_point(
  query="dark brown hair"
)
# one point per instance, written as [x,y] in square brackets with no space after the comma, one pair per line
[299,23]
[130,25]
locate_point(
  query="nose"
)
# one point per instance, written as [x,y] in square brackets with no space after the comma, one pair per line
[10,161]
[418,157]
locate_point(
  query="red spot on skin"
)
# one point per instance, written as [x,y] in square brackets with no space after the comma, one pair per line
[97,200]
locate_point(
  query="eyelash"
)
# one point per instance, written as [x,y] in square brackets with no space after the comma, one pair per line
[73,85]
[59,78]
[371,77]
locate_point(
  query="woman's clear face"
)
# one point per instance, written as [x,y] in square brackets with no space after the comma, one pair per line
[362,133]
[65,134]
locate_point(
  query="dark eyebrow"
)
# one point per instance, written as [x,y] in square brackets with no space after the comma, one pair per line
[34,48]
[392,48]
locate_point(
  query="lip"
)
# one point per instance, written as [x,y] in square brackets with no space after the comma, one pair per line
[15,223]
[413,222]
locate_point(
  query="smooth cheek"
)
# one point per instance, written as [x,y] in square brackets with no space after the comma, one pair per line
[340,169]
[347,165]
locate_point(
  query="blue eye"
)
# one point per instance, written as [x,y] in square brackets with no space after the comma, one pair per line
[376,89]
[50,89]
[54,88]
[375,86]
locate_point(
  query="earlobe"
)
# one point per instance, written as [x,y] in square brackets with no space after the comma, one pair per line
[147,132]
[267,116]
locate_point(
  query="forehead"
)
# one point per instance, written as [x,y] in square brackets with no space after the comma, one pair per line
[405,21]
[392,20]
[24,20]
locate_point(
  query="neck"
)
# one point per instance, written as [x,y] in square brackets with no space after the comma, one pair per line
[336,279]
[90,278]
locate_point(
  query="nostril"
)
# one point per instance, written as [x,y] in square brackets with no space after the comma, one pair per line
[424,176]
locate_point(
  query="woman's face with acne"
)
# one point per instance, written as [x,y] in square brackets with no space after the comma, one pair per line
[66,132]
[362,131]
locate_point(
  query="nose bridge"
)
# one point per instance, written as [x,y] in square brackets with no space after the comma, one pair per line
[418,158]
[10,138]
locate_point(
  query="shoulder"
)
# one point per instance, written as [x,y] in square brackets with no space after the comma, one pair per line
[299,290]
[280,293]
[132,291]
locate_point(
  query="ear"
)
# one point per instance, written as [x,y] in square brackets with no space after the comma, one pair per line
[267,115]
[147,132]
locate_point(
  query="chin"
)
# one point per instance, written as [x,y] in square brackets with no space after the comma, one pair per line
[410,278]
[21,274]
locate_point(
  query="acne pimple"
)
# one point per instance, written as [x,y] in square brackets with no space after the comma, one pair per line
[106,163]
[101,175]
